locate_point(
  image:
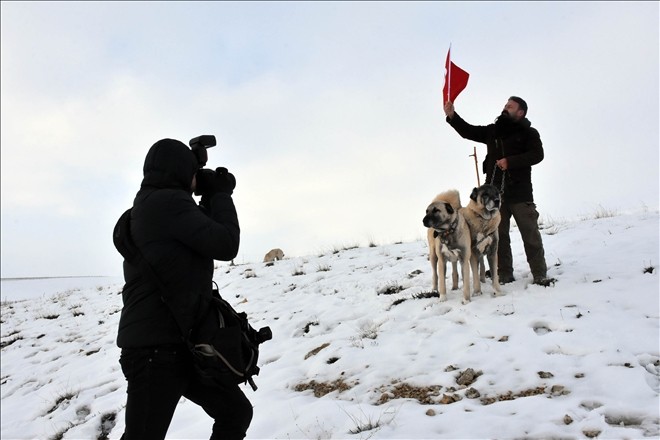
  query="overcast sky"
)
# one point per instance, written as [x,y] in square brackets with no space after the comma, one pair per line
[329,114]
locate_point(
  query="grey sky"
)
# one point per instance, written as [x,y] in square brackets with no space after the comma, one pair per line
[329,114]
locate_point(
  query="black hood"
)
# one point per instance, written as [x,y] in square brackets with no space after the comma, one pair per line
[169,164]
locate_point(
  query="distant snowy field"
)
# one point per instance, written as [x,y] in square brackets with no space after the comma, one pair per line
[15,289]
[361,351]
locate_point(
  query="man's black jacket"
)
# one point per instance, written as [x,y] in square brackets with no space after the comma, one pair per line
[179,240]
[522,147]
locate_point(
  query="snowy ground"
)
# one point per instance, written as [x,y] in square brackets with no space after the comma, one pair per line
[359,351]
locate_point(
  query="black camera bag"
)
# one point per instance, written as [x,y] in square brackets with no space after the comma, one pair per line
[225,345]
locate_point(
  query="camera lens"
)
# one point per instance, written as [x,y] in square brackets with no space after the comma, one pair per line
[264,334]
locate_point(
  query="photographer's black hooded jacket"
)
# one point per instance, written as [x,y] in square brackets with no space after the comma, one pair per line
[520,144]
[180,240]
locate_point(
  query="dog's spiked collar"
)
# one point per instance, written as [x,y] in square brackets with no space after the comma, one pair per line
[446,233]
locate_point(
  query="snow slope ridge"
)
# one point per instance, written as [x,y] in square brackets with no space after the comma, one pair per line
[363,349]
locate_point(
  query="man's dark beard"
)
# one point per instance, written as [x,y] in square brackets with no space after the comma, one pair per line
[504,124]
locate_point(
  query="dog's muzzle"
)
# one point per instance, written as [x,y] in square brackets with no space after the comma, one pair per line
[493,204]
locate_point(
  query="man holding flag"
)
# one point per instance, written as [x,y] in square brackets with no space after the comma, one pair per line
[513,147]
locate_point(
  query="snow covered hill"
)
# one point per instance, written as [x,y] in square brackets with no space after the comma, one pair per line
[361,348]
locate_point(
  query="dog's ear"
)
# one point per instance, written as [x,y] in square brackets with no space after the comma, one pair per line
[473,196]
[449,208]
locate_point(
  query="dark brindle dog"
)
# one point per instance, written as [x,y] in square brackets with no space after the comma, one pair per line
[482,215]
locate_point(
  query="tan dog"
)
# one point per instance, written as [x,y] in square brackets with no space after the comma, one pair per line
[449,240]
[482,215]
[273,254]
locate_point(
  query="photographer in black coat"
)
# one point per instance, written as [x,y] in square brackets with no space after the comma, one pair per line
[179,240]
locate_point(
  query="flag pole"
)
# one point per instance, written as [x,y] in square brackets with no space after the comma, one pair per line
[476,167]
[449,72]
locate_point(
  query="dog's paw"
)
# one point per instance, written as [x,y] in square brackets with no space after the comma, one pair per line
[483,245]
[476,293]
[443,297]
[466,301]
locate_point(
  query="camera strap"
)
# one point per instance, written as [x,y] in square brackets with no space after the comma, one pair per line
[124,243]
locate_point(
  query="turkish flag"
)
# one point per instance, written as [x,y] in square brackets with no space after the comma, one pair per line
[455,80]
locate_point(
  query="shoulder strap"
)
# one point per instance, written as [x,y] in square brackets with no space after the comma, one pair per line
[124,243]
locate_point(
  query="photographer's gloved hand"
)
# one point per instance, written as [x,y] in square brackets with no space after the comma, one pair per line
[224,181]
[210,182]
